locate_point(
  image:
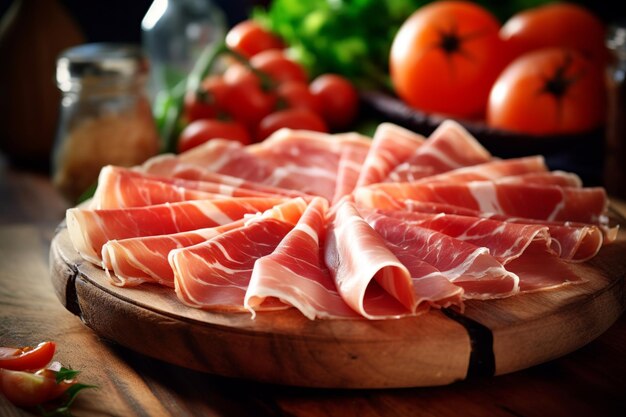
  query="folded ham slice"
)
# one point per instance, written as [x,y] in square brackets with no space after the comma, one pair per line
[449,147]
[144,259]
[90,229]
[544,202]
[295,272]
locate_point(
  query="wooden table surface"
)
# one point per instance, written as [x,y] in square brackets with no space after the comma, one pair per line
[588,382]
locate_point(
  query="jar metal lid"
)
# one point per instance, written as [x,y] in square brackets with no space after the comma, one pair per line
[106,61]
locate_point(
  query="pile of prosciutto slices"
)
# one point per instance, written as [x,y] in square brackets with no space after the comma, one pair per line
[341,225]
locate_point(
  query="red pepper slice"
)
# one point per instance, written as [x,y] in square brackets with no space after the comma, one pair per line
[27,358]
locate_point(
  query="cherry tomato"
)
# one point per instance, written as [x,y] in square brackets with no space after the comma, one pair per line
[445,58]
[247,102]
[559,24]
[249,38]
[295,94]
[27,358]
[339,99]
[200,131]
[280,68]
[548,91]
[290,118]
[205,103]
[26,389]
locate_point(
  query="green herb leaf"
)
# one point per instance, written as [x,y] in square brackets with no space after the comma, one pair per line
[66,374]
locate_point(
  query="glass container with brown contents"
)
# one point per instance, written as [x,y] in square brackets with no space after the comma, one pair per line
[105,117]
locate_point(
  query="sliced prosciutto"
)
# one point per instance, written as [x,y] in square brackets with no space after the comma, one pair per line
[368,276]
[137,260]
[222,156]
[306,161]
[214,275]
[120,187]
[575,242]
[348,169]
[391,145]
[90,229]
[144,259]
[466,265]
[449,147]
[295,272]
[505,241]
[544,202]
[492,170]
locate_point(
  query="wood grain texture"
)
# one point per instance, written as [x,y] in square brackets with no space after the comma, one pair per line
[289,349]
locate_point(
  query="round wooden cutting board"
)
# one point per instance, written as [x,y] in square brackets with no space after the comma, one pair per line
[490,338]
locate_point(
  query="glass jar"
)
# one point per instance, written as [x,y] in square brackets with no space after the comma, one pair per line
[105,115]
[615,161]
[174,34]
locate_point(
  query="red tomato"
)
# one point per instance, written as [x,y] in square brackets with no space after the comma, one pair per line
[27,358]
[200,131]
[563,24]
[205,103]
[548,91]
[290,118]
[339,99]
[280,68]
[296,94]
[248,103]
[26,389]
[445,58]
[249,38]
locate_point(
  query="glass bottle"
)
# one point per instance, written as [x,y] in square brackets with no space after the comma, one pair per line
[105,115]
[174,34]
[615,161]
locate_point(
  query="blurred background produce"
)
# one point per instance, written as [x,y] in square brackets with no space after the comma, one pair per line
[351,39]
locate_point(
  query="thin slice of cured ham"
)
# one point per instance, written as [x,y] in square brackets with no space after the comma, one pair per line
[222,156]
[90,229]
[558,178]
[492,170]
[214,275]
[197,173]
[574,242]
[449,147]
[505,241]
[544,202]
[304,160]
[295,272]
[144,259]
[466,265]
[137,260]
[368,276]
[348,169]
[120,187]
[391,145]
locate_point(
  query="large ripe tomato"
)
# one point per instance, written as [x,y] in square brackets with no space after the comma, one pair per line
[200,131]
[249,38]
[27,358]
[339,99]
[445,58]
[557,24]
[292,119]
[548,91]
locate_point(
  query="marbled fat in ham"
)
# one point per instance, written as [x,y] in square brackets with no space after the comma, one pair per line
[339,226]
